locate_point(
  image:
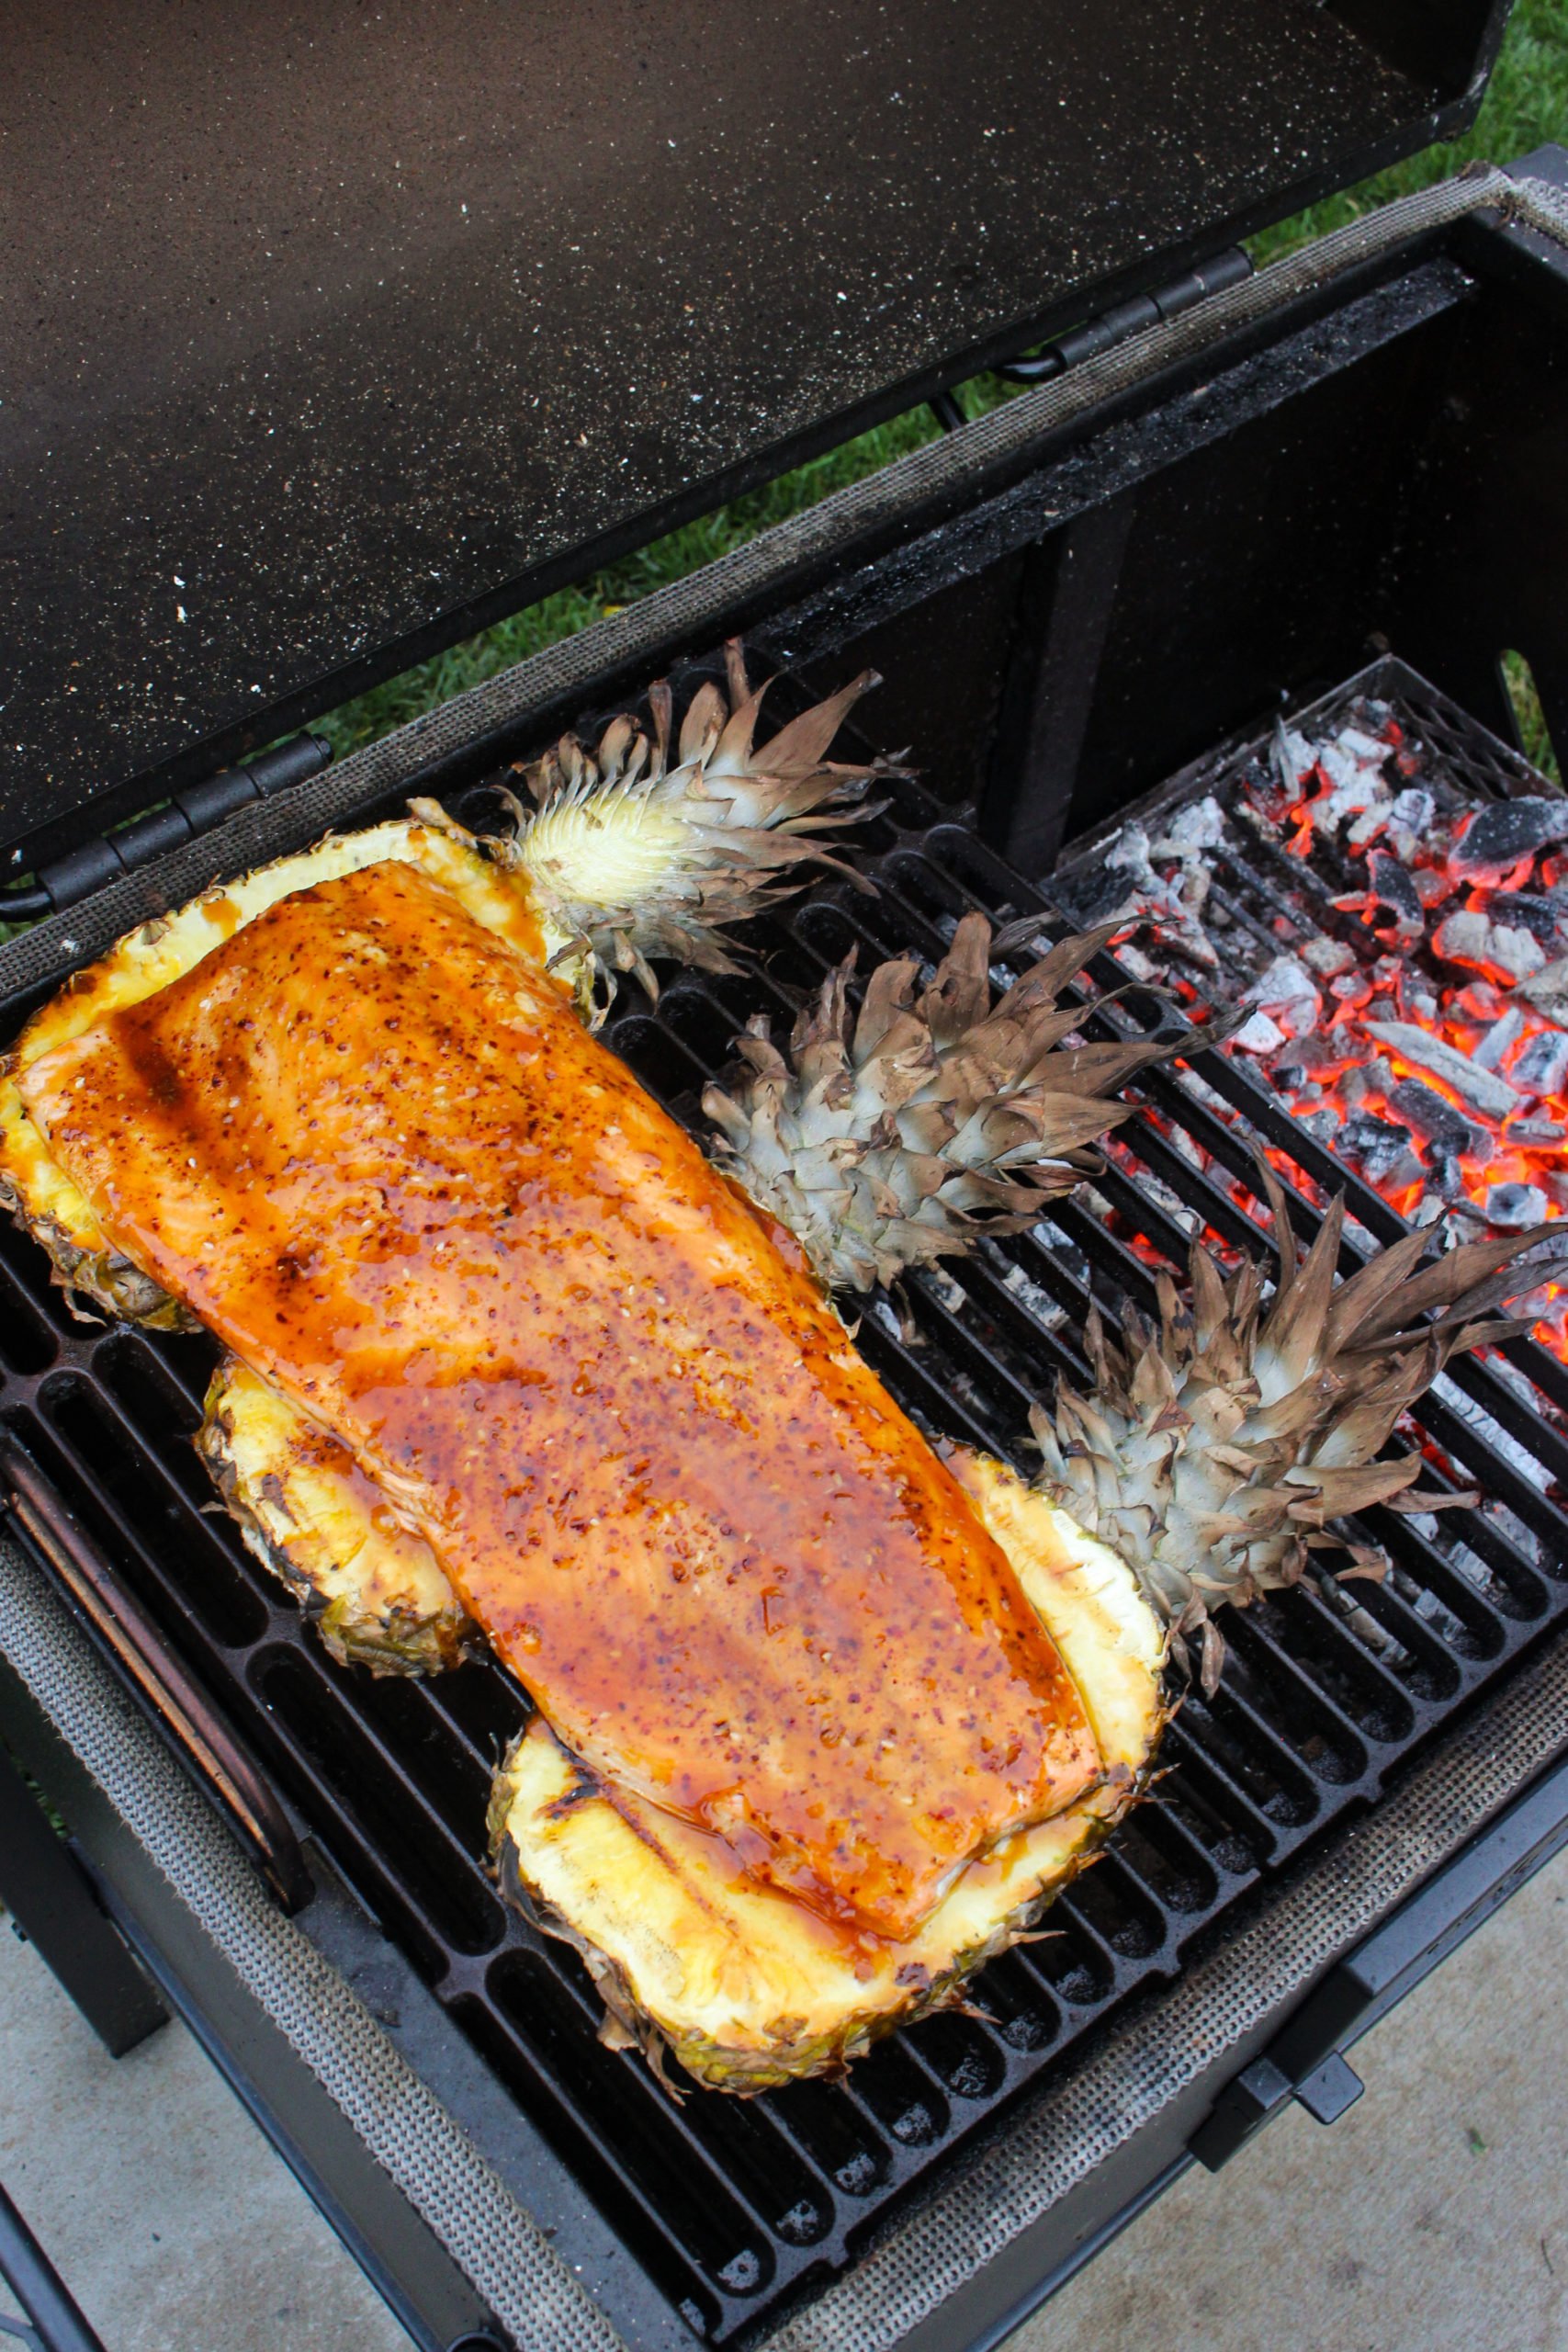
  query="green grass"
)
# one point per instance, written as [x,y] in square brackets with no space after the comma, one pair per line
[1526,105]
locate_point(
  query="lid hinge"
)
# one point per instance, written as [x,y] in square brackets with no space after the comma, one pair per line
[184,815]
[1107,327]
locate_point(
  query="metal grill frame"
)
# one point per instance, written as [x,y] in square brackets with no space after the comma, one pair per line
[772,2198]
[753,580]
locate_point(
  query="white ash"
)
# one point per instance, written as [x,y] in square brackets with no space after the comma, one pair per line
[1381,1148]
[1500,1039]
[1259,1035]
[1478,1090]
[1327,957]
[1174,1206]
[1141,966]
[1355,779]
[1547,992]
[1294,758]
[1322,1126]
[1542,1066]
[1361,1079]
[1202,1091]
[1287,994]
[1514,1208]
[1473,939]
[1199,826]
[1409,824]
[1046,1310]
[1175,904]
[944,1289]
[1360,745]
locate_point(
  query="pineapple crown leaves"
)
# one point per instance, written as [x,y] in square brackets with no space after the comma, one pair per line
[653,844]
[1219,1447]
[889,1138]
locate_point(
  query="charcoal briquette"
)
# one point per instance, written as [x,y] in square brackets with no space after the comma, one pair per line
[1377,1145]
[1432,1116]
[1507,830]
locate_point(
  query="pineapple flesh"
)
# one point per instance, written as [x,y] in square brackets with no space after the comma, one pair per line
[374,1590]
[747,1989]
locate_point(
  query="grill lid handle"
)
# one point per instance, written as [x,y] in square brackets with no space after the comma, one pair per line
[173,1702]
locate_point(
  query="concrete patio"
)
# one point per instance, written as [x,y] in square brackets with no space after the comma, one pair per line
[1432,2218]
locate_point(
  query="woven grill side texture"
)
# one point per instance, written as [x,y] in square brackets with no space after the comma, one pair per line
[490,2236]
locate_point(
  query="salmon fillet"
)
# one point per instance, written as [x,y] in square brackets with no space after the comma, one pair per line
[373,1149]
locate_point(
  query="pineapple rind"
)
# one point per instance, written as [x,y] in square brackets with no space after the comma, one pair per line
[376,1592]
[748,1990]
[37,1191]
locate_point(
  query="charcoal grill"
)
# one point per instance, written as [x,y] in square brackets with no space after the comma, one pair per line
[1220,491]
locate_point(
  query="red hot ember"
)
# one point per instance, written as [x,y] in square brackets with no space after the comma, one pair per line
[1405,963]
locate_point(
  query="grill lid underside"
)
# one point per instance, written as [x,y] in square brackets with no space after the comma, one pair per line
[342,335]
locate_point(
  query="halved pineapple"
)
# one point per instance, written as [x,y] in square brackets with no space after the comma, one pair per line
[744,1986]
[308,1511]
[791,1996]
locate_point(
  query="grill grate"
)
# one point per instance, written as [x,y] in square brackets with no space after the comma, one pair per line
[734,2207]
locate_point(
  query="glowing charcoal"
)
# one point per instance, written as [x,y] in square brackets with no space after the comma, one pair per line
[1478,1089]
[1392,902]
[1500,1040]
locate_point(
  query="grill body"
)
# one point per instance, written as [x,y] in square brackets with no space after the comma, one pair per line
[1059,628]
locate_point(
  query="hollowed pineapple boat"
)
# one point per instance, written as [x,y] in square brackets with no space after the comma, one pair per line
[823,1718]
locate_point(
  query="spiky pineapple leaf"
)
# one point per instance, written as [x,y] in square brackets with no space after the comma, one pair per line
[1223,1446]
[654,844]
[889,1138]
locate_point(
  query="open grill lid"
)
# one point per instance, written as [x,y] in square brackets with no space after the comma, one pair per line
[337,334]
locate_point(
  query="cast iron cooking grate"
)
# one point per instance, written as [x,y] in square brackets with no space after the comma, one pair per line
[735,2207]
